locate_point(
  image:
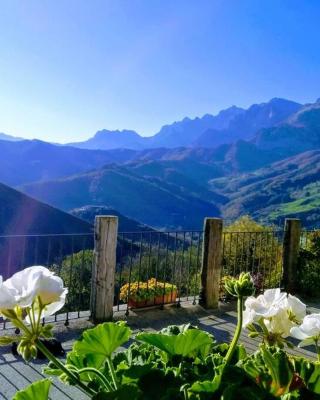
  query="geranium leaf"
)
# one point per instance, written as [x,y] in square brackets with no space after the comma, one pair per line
[205,386]
[270,368]
[125,392]
[188,343]
[135,372]
[158,385]
[102,340]
[237,392]
[37,390]
[309,372]
[279,368]
[6,340]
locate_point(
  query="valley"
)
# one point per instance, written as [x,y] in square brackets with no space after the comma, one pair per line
[263,161]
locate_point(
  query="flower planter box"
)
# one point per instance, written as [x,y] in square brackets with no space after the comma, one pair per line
[166,299]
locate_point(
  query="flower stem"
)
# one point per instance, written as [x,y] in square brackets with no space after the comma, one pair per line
[19,324]
[103,379]
[317,349]
[63,368]
[185,392]
[39,313]
[112,372]
[237,333]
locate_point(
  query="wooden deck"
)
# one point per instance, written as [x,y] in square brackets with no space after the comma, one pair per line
[16,374]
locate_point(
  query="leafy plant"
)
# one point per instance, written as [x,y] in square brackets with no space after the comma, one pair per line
[149,290]
[37,390]
[179,362]
[309,265]
[253,247]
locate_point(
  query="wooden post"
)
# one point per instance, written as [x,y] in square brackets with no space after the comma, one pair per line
[291,247]
[211,263]
[104,267]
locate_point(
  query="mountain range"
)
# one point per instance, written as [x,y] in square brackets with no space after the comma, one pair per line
[35,160]
[208,131]
[263,160]
[10,138]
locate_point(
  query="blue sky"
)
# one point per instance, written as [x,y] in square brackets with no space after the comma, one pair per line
[71,67]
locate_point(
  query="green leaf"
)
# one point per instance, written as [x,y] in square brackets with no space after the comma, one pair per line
[188,343]
[102,340]
[37,390]
[125,392]
[309,372]
[6,340]
[279,368]
[240,392]
[205,386]
[134,373]
[46,331]
[271,369]
[176,329]
[78,361]
[159,385]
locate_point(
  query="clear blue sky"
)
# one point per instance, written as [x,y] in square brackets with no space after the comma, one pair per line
[71,67]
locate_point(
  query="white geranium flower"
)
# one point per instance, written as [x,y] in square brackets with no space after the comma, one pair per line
[309,331]
[277,312]
[296,308]
[265,306]
[291,312]
[37,282]
[7,297]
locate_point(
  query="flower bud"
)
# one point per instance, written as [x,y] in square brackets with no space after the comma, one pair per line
[33,351]
[46,331]
[26,353]
[241,287]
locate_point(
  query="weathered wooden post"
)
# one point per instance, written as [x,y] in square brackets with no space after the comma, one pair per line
[104,267]
[211,262]
[291,247]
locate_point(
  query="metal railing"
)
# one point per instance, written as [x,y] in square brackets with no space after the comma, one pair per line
[68,255]
[309,238]
[259,253]
[153,267]
[166,263]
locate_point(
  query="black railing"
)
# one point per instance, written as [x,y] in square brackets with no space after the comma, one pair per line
[157,268]
[259,253]
[153,267]
[68,255]
[309,239]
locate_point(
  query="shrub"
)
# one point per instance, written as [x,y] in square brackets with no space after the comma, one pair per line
[149,290]
[249,246]
[309,265]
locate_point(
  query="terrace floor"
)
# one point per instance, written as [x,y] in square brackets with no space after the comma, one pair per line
[15,374]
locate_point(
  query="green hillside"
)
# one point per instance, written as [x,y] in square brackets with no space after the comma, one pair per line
[152,201]
[287,188]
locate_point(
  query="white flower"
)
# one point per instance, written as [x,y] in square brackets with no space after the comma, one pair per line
[291,312]
[308,331]
[278,311]
[7,298]
[264,306]
[37,282]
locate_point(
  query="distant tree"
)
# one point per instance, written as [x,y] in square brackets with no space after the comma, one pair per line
[247,246]
[253,247]
[309,264]
[75,270]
